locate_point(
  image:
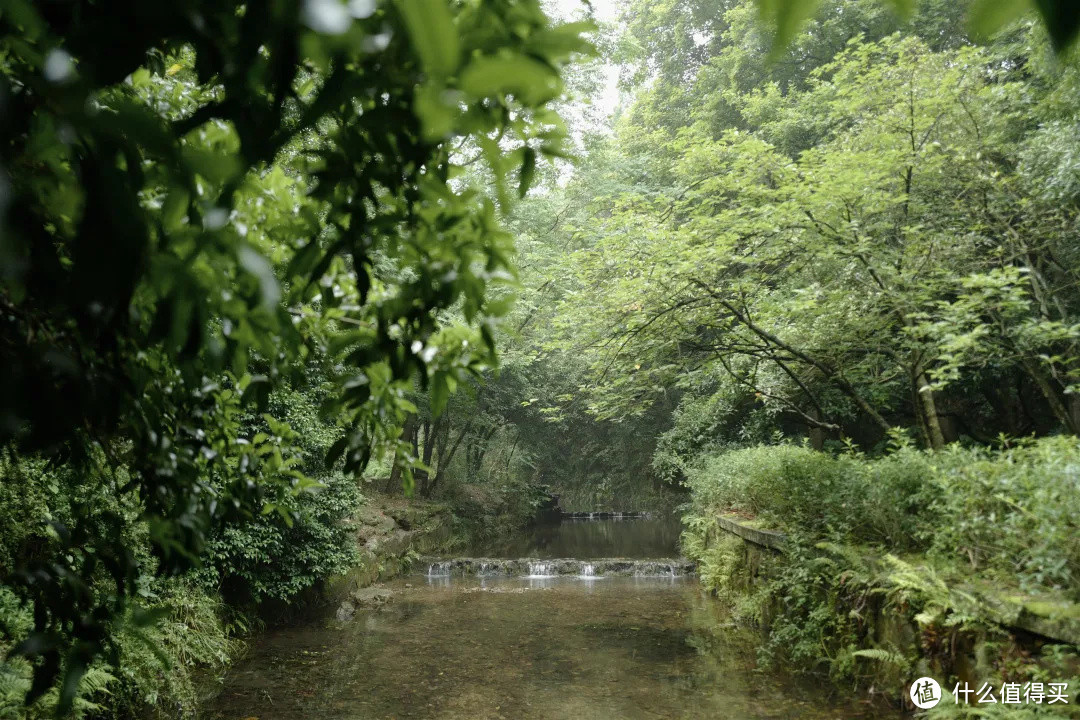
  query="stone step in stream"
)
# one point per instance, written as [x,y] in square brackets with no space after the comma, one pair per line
[558,567]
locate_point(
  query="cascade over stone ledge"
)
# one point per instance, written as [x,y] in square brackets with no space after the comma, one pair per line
[535,567]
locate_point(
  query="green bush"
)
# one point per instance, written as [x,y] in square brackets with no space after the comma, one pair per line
[268,558]
[1007,514]
[161,668]
[1013,513]
[798,489]
[158,670]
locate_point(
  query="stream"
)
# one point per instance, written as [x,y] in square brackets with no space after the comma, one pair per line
[547,625]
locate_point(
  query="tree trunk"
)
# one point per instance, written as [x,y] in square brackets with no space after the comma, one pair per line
[817,433]
[928,406]
[445,456]
[429,448]
[408,434]
[1050,393]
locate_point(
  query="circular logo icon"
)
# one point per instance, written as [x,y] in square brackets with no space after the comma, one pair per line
[925,693]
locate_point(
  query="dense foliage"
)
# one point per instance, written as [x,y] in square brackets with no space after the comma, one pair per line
[1013,513]
[826,281]
[935,541]
[209,203]
[819,271]
[862,229]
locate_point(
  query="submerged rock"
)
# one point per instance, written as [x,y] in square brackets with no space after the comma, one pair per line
[346,611]
[369,597]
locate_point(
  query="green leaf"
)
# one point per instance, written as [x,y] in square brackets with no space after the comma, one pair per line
[786,17]
[431,27]
[904,8]
[259,266]
[74,669]
[257,391]
[212,165]
[559,43]
[529,80]
[440,393]
[986,17]
[174,209]
[1061,18]
[436,116]
[304,260]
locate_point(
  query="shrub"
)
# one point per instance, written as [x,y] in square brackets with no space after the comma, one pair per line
[798,489]
[267,558]
[1013,513]
[158,667]
[1007,514]
[163,668]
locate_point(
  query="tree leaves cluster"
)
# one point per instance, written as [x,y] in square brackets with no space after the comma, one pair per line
[867,231]
[202,201]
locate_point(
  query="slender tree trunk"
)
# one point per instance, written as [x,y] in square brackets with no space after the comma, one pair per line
[425,457]
[920,416]
[445,456]
[1057,406]
[408,434]
[817,433]
[513,449]
[929,411]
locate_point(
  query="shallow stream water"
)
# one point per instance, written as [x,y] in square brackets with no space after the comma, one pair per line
[514,647]
[588,539]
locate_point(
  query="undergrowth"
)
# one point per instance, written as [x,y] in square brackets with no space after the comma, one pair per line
[875,586]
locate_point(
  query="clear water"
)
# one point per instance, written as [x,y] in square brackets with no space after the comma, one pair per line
[553,648]
[586,539]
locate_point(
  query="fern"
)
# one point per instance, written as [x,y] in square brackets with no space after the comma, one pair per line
[886,657]
[15,683]
[923,586]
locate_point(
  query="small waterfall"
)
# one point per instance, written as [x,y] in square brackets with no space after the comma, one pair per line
[539,570]
[551,570]
[588,572]
[438,570]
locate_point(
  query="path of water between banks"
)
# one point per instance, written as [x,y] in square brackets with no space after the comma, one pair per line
[517,647]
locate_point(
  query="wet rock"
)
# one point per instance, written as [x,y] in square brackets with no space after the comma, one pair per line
[373,524]
[371,596]
[346,611]
[395,543]
[409,518]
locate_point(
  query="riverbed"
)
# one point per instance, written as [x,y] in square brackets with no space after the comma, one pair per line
[564,646]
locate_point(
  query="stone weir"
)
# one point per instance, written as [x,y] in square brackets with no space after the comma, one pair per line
[605,515]
[561,567]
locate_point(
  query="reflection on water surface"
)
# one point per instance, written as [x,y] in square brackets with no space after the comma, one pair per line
[583,539]
[620,647]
